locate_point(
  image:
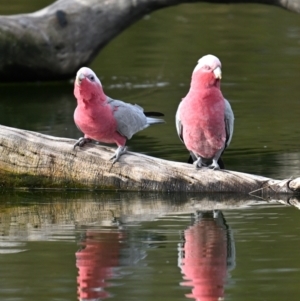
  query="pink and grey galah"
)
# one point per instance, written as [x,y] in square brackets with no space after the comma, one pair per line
[204,118]
[104,119]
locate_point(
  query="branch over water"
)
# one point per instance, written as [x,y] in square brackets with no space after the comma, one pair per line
[53,43]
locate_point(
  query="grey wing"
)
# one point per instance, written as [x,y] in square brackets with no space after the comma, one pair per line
[130,118]
[179,124]
[229,122]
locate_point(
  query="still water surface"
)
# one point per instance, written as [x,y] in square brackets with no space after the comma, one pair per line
[85,246]
[89,246]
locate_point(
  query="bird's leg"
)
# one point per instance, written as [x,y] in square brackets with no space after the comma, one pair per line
[214,165]
[216,213]
[198,163]
[119,152]
[81,142]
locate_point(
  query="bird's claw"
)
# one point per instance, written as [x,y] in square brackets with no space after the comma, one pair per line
[119,152]
[81,142]
[214,165]
[198,163]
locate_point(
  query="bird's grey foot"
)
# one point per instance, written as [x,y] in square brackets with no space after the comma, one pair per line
[198,163]
[81,142]
[119,152]
[214,165]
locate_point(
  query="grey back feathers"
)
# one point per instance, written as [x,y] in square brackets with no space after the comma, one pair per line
[130,118]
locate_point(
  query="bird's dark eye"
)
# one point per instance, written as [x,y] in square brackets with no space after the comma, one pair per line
[92,78]
[206,67]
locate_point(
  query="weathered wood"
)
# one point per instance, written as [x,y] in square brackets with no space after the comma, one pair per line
[53,43]
[33,160]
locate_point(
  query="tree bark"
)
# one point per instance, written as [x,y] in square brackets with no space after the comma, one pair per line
[53,43]
[34,160]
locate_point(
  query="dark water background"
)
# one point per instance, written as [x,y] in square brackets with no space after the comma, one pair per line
[166,247]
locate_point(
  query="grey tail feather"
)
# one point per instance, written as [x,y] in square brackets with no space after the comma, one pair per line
[151,120]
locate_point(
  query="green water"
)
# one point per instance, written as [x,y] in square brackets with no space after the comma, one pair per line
[137,245]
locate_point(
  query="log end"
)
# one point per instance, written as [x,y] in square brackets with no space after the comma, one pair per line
[294,185]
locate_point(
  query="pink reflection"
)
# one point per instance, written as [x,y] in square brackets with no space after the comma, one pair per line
[95,262]
[204,256]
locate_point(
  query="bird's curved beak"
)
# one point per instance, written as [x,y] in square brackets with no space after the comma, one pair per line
[218,72]
[79,78]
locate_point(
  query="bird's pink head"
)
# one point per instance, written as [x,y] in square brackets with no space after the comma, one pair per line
[207,72]
[87,85]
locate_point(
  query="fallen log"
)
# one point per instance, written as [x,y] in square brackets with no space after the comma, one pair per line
[34,160]
[53,43]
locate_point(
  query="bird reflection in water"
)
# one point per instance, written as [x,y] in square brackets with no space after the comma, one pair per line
[96,262]
[206,253]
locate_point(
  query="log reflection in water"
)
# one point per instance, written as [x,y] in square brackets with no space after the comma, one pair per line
[45,216]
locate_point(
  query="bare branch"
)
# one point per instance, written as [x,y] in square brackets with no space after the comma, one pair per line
[53,43]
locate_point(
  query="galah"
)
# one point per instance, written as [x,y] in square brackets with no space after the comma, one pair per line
[204,118]
[104,119]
